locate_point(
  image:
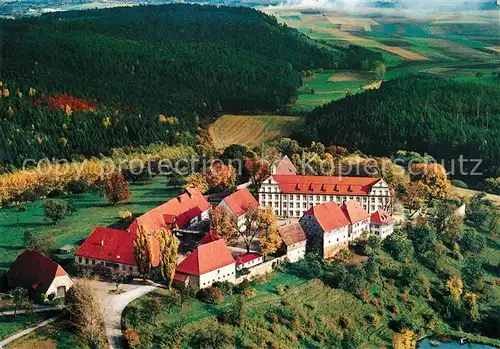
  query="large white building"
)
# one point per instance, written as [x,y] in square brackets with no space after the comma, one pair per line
[291,195]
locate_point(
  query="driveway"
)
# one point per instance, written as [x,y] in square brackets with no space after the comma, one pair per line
[113,305]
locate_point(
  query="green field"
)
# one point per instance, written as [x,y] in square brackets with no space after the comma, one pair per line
[11,324]
[92,211]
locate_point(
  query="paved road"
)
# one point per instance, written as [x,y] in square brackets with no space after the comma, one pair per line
[113,306]
[27,331]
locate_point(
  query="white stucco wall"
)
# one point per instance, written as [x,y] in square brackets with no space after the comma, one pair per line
[58,282]
[92,263]
[227,273]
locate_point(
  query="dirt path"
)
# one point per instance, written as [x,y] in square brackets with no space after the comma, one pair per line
[23,333]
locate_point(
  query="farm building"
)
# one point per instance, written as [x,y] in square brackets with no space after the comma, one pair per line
[248,260]
[107,249]
[207,264]
[211,236]
[40,275]
[238,203]
[181,212]
[290,195]
[294,241]
[330,227]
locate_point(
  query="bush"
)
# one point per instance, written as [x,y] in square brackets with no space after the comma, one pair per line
[249,292]
[126,215]
[210,295]
[242,286]
[132,338]
[280,290]
[225,287]
[459,184]
[77,186]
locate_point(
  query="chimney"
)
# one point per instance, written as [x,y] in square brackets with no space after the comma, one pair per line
[102,242]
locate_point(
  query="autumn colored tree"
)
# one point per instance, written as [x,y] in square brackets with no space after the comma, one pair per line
[116,188]
[415,196]
[132,338]
[196,180]
[470,300]
[434,178]
[224,224]
[169,245]
[404,340]
[258,169]
[270,241]
[455,286]
[258,222]
[220,174]
[143,251]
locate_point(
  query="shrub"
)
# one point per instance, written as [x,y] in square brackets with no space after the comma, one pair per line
[459,184]
[126,215]
[225,287]
[55,210]
[249,292]
[77,186]
[242,286]
[273,318]
[210,295]
[280,290]
[132,338]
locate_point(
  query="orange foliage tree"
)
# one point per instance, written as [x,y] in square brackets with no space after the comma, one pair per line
[258,169]
[224,224]
[433,177]
[220,174]
[259,222]
[116,188]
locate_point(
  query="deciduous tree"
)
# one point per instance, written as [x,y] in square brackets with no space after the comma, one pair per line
[41,243]
[220,174]
[143,251]
[404,340]
[258,222]
[455,286]
[434,178]
[224,223]
[19,297]
[116,188]
[196,180]
[258,168]
[169,246]
[55,210]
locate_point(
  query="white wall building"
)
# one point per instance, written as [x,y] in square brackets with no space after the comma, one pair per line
[294,241]
[291,195]
[238,203]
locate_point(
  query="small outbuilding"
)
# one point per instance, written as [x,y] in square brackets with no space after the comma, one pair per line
[294,241]
[39,275]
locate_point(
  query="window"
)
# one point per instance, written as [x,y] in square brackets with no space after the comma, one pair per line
[218,271]
[86,261]
[93,262]
[80,259]
[291,204]
[130,268]
[297,213]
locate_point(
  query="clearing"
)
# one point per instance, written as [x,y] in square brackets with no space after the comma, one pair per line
[470,193]
[251,130]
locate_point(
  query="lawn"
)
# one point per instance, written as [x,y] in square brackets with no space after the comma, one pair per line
[92,211]
[11,324]
[251,130]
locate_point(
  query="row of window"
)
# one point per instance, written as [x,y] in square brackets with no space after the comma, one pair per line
[107,264]
[219,278]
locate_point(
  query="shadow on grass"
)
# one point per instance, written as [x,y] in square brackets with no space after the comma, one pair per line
[11,248]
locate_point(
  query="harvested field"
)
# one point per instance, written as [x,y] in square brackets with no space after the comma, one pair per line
[455,49]
[494,48]
[350,76]
[251,130]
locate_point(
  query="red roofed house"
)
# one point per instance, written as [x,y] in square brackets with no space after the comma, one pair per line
[180,212]
[107,249]
[39,275]
[294,241]
[284,167]
[326,227]
[291,195]
[211,236]
[381,224]
[330,227]
[248,260]
[207,264]
[238,203]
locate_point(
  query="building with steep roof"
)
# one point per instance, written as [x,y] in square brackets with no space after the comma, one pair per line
[207,264]
[284,167]
[107,249]
[238,203]
[248,260]
[291,195]
[39,274]
[330,227]
[294,241]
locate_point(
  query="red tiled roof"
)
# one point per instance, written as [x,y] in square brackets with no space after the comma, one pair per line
[292,233]
[325,185]
[210,237]
[354,212]
[113,245]
[180,276]
[381,217]
[33,270]
[206,258]
[179,210]
[240,201]
[247,257]
[329,216]
[285,167]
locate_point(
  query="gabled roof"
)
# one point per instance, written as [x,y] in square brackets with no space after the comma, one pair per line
[206,258]
[354,212]
[179,211]
[285,167]
[210,237]
[240,202]
[32,270]
[381,217]
[329,216]
[292,233]
[113,245]
[247,257]
[325,185]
